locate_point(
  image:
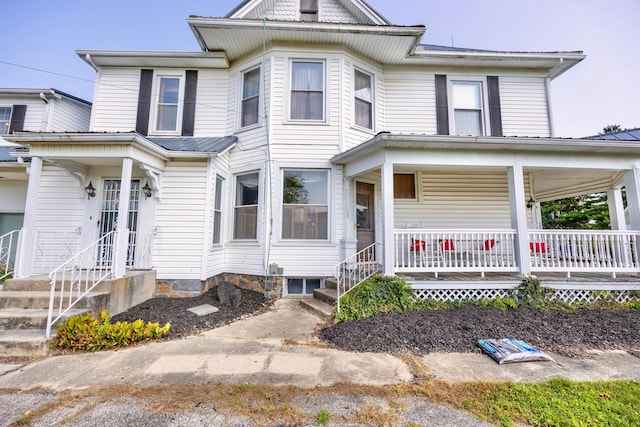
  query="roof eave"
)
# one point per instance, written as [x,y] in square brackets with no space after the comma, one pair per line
[101,58]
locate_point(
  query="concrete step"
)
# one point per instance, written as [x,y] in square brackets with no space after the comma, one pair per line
[326,295]
[331,283]
[34,283]
[40,300]
[31,318]
[23,343]
[319,308]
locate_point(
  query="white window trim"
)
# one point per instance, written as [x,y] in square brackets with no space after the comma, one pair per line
[285,290]
[485,101]
[232,198]
[213,211]
[417,179]
[325,98]
[155,98]
[353,99]
[241,95]
[10,107]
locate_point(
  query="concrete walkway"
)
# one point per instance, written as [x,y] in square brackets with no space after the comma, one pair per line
[279,347]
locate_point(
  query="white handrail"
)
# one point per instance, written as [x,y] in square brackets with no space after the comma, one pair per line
[81,273]
[8,250]
[355,270]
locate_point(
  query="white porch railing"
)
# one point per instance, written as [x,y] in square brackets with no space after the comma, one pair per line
[584,251]
[55,247]
[355,270]
[8,250]
[422,250]
[140,249]
[78,276]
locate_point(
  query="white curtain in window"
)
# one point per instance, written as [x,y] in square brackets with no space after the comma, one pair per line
[363,100]
[307,91]
[250,97]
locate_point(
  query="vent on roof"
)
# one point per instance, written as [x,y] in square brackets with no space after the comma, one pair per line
[308,10]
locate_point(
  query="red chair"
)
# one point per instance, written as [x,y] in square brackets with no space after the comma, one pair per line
[418,245]
[447,244]
[538,247]
[489,244]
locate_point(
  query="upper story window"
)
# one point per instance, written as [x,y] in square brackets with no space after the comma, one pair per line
[5,120]
[467,108]
[250,97]
[307,90]
[363,93]
[305,206]
[168,105]
[217,211]
[308,10]
[245,225]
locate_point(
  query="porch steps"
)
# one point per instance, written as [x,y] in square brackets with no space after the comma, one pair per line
[29,318]
[322,302]
[21,343]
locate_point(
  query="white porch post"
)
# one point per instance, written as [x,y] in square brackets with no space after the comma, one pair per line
[122,230]
[26,250]
[349,239]
[632,184]
[387,219]
[616,209]
[519,218]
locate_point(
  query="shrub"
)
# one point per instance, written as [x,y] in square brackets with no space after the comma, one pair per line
[84,332]
[530,293]
[376,294]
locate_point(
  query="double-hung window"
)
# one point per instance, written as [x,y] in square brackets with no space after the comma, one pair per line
[5,120]
[363,92]
[305,206]
[250,97]
[167,108]
[307,90]
[246,206]
[217,211]
[467,107]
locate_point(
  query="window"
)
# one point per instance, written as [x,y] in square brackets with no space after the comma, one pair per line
[246,206]
[467,108]
[363,91]
[167,109]
[307,90]
[217,210]
[308,10]
[404,186]
[305,204]
[5,120]
[302,286]
[250,97]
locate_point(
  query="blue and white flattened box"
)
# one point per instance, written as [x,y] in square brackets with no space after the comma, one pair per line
[509,350]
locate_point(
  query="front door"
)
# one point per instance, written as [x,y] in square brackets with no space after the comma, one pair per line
[109,214]
[365,214]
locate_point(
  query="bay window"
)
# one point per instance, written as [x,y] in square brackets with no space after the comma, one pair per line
[307,90]
[305,206]
[246,206]
[217,211]
[363,103]
[250,97]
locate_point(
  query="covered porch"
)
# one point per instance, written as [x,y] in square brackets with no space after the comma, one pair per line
[443,205]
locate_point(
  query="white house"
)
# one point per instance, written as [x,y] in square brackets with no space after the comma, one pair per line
[305,131]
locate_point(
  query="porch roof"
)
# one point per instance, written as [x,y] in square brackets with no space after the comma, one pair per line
[5,154]
[385,140]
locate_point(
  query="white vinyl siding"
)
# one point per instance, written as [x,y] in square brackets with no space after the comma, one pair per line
[69,116]
[524,106]
[410,103]
[115,103]
[211,103]
[178,247]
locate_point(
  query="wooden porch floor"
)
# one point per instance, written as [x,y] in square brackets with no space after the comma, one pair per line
[511,277]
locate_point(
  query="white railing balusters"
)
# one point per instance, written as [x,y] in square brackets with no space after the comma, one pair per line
[81,274]
[8,250]
[355,270]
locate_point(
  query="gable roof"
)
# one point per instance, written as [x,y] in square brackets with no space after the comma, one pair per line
[623,135]
[36,92]
[362,12]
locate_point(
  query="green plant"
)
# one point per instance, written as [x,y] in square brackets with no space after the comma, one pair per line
[530,293]
[322,418]
[376,294]
[84,332]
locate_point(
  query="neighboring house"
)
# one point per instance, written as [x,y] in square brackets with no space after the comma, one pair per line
[37,110]
[306,131]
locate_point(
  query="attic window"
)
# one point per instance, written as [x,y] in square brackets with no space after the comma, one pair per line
[309,10]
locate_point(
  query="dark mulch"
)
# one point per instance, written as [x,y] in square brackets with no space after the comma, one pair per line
[567,333]
[184,322]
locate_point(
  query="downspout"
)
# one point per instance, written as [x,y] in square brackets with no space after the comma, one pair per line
[547,84]
[46,118]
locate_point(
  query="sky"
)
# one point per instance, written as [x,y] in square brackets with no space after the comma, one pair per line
[41,37]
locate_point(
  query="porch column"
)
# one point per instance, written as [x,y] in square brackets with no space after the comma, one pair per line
[387,220]
[616,209]
[349,239]
[122,229]
[27,248]
[632,184]
[519,218]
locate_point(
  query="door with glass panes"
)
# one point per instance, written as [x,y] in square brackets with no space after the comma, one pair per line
[109,217]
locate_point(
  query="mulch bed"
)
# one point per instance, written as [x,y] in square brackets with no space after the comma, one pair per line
[568,333]
[184,322]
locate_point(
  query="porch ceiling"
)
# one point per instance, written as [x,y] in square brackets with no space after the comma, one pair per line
[551,184]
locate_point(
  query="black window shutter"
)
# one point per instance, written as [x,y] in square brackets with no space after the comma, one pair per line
[144,101]
[442,106]
[495,112]
[189,109]
[17,118]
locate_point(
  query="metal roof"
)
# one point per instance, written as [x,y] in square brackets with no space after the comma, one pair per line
[5,156]
[199,144]
[624,135]
[37,92]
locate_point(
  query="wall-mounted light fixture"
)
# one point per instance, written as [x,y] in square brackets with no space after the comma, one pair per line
[148,191]
[531,203]
[91,192]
